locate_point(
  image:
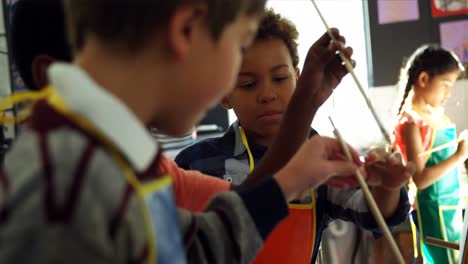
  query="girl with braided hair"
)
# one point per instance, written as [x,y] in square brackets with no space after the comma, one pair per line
[428,78]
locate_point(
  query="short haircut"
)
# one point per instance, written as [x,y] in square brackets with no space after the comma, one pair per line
[273,25]
[129,23]
[38,28]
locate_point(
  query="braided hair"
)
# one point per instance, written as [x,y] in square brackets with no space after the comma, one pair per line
[430,59]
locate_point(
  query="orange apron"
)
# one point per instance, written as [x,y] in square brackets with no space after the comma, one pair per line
[292,241]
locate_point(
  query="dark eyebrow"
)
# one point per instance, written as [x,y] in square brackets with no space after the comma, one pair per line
[247,74]
[251,74]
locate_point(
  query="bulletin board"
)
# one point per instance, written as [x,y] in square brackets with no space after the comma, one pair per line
[395,28]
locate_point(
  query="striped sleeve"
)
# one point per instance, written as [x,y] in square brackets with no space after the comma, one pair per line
[350,205]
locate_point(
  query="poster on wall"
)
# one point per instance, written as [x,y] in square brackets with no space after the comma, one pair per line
[393,11]
[454,37]
[449,7]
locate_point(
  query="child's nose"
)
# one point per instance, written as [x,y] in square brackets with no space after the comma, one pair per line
[267,94]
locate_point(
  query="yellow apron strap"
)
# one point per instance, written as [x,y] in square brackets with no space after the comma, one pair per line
[140,191]
[415,239]
[314,222]
[59,105]
[19,118]
[249,152]
[22,97]
[294,206]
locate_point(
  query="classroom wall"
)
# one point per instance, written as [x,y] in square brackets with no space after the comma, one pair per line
[391,42]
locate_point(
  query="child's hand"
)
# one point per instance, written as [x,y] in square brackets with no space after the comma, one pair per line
[387,170]
[462,149]
[318,160]
[323,69]
[463,135]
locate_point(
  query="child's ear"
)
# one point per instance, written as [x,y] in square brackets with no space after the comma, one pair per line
[298,73]
[39,67]
[423,79]
[181,27]
[225,103]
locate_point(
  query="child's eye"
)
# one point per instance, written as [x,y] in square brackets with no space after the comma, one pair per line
[247,85]
[280,79]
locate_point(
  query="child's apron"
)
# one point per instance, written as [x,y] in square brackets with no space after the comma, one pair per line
[155,197]
[437,204]
[293,240]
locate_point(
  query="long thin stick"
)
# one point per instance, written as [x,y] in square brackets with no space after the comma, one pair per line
[463,136]
[350,69]
[441,147]
[370,200]
[442,243]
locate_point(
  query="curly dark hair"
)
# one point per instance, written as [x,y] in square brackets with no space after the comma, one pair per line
[273,25]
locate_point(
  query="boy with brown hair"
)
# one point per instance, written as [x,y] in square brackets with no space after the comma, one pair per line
[192,190]
[89,193]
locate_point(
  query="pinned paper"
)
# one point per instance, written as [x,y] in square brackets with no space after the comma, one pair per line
[454,37]
[393,11]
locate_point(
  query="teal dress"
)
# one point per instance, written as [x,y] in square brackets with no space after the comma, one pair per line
[437,204]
